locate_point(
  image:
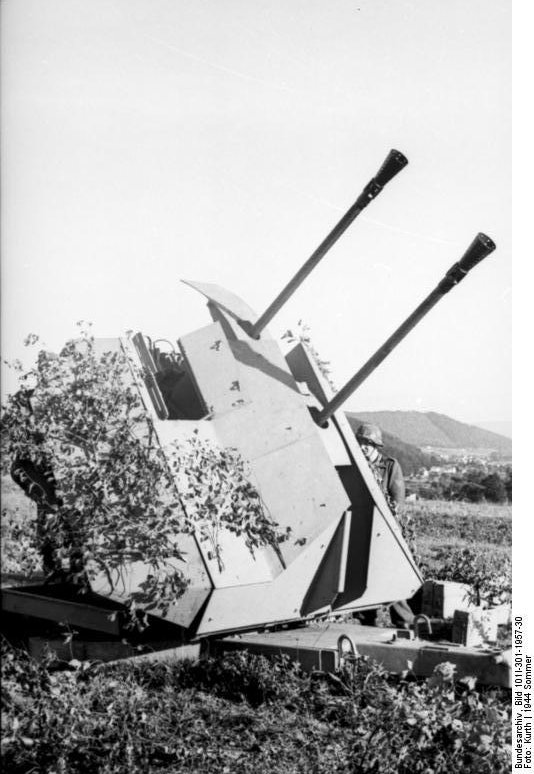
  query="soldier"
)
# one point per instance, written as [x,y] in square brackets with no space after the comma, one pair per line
[388,473]
[36,479]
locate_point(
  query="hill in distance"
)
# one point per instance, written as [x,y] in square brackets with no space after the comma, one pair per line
[427,428]
[503,427]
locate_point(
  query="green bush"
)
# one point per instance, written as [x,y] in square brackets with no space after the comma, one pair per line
[242,714]
[491,583]
[19,548]
[464,542]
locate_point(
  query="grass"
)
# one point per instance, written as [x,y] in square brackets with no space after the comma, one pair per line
[241,714]
[443,527]
[456,508]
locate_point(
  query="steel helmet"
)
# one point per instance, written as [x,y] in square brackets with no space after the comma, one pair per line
[368,433]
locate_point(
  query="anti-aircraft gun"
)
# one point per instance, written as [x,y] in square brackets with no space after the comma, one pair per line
[233,388]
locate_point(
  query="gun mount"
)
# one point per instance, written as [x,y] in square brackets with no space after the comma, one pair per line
[233,388]
[345,548]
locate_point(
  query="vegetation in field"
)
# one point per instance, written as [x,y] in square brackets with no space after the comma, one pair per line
[465,542]
[441,526]
[242,714]
[435,513]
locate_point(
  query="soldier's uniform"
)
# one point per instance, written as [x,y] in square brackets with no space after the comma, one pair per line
[36,478]
[38,483]
[388,474]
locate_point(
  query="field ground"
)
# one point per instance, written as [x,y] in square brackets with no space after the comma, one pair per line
[457,508]
[442,527]
[242,714]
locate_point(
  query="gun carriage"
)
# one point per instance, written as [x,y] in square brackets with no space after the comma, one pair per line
[233,388]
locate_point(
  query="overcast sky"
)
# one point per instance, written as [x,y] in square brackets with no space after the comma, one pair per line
[145,141]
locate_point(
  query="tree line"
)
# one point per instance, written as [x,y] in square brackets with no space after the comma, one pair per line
[472,484]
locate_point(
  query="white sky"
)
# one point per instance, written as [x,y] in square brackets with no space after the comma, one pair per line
[146,141]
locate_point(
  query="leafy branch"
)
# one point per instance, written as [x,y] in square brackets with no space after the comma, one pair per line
[217,494]
[108,495]
[303,336]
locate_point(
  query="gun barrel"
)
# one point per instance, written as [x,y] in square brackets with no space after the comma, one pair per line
[481,247]
[394,162]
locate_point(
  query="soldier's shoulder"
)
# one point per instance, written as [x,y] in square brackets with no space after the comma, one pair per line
[392,464]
